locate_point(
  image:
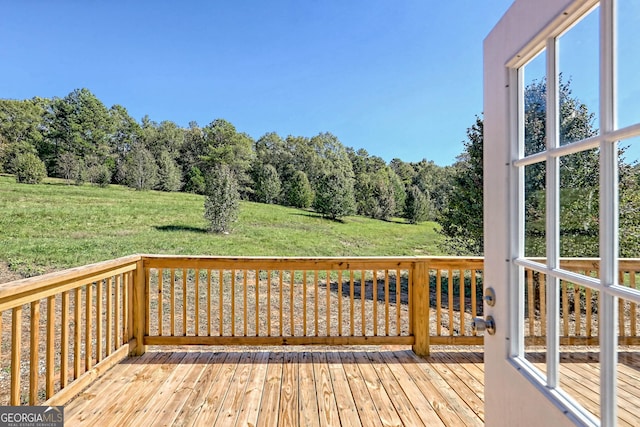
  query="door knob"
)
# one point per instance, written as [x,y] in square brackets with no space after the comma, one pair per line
[481,325]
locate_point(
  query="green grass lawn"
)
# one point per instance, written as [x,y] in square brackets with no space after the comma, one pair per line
[54,225]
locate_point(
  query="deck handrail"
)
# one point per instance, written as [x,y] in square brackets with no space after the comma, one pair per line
[58,343]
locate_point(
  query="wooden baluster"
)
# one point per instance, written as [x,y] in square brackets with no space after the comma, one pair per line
[258,303]
[588,296]
[352,307]
[185,303]
[543,304]
[438,302]
[99,330]
[196,280]
[398,302]
[88,332]
[246,302]
[304,303]
[633,313]
[315,301]
[126,306]
[280,284]
[530,303]
[565,308]
[77,319]
[109,320]
[474,302]
[208,302]
[172,302]
[328,290]
[621,303]
[16,354]
[160,307]
[386,303]
[462,304]
[51,345]
[117,314]
[221,301]
[374,299]
[340,303]
[450,292]
[363,300]
[410,301]
[268,303]
[292,289]
[233,303]
[64,338]
[34,347]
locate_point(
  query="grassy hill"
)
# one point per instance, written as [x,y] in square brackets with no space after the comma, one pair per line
[54,225]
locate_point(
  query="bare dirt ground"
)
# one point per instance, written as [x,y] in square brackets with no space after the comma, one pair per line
[6,275]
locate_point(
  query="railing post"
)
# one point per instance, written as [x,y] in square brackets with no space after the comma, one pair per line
[420,308]
[139,308]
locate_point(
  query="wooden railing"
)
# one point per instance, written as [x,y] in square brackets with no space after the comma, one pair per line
[61,330]
[579,305]
[65,329]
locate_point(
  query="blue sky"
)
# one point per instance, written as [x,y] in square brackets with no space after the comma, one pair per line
[398,78]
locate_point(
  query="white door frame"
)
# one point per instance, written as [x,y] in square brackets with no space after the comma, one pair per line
[514,393]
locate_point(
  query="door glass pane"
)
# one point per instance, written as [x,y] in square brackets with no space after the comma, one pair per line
[578,68]
[535,211]
[629,196]
[628,389]
[535,318]
[628,56]
[535,105]
[580,375]
[579,206]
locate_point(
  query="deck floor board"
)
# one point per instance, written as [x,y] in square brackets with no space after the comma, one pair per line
[321,386]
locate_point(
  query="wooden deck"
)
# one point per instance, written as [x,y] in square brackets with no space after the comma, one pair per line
[313,387]
[278,386]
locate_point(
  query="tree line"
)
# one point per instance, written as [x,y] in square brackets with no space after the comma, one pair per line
[79,139]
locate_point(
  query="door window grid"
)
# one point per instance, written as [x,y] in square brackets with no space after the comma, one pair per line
[607,284]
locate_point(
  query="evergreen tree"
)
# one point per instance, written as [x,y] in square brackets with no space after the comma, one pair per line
[416,206]
[298,191]
[334,196]
[222,200]
[267,184]
[168,173]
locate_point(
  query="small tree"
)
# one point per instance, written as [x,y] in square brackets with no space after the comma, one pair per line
[334,196]
[298,192]
[222,200]
[416,206]
[168,173]
[141,169]
[69,166]
[29,169]
[267,184]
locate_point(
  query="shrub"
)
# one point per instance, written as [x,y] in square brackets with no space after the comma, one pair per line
[29,169]
[222,200]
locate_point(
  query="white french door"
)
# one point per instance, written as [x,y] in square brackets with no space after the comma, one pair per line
[552,189]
